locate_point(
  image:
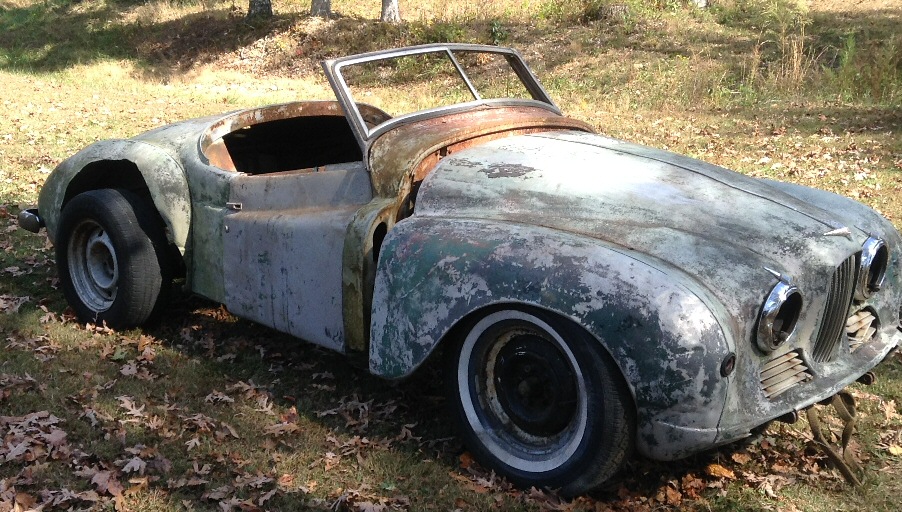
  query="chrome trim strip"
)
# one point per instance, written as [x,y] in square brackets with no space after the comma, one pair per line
[766,340]
[869,250]
[843,231]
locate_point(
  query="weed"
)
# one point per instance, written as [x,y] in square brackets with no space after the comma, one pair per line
[498,33]
[554,10]
[874,73]
[438,32]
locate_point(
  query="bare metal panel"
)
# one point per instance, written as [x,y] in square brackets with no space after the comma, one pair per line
[283,246]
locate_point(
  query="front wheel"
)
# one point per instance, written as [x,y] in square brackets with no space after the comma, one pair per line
[110,252]
[539,401]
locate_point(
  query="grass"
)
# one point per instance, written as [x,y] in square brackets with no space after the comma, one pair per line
[227,414]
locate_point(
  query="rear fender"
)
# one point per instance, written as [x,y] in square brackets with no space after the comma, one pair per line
[110,163]
[660,328]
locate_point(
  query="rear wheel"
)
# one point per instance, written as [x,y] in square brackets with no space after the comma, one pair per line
[110,252]
[539,401]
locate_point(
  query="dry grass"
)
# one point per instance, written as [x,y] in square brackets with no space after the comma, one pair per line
[718,85]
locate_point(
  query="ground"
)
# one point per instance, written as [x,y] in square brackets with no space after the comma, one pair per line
[205,411]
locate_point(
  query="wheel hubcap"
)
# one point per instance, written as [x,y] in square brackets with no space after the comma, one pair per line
[535,385]
[93,265]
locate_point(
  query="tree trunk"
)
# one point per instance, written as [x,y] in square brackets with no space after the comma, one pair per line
[322,8]
[259,9]
[390,11]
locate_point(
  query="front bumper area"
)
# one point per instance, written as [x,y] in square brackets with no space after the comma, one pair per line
[669,436]
[29,220]
[829,380]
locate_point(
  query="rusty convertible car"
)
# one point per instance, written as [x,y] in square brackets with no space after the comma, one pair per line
[591,296]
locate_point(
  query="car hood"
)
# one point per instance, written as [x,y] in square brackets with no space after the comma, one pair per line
[727,230]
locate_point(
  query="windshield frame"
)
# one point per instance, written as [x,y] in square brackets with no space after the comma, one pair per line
[365,135]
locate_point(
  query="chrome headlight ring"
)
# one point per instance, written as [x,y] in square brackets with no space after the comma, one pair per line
[872,271]
[779,316]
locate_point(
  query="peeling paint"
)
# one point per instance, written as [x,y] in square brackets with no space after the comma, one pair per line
[531,237]
[507,171]
[662,259]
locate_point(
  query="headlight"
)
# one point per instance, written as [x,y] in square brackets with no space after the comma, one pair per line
[778,317]
[872,272]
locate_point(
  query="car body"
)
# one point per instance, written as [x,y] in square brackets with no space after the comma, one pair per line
[591,295]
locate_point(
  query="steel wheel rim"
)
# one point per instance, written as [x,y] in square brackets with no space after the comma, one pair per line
[522,448]
[533,383]
[93,265]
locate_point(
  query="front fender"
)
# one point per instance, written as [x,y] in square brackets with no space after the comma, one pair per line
[658,325]
[162,174]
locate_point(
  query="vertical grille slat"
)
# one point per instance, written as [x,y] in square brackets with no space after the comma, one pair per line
[836,310]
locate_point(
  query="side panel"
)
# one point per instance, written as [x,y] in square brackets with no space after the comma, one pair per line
[663,336]
[283,249]
[161,172]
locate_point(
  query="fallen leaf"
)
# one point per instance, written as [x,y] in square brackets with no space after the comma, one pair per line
[280,428]
[25,501]
[674,497]
[138,485]
[128,403]
[266,496]
[11,304]
[55,437]
[741,458]
[135,465]
[129,369]
[218,493]
[368,506]
[106,482]
[231,430]
[218,397]
[889,410]
[718,471]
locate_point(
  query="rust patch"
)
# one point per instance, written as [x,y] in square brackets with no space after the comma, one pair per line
[212,137]
[417,147]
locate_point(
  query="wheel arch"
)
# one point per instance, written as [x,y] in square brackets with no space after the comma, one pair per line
[142,168]
[543,312]
[659,327]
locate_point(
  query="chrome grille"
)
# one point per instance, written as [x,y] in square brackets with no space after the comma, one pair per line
[839,296]
[782,373]
[860,328]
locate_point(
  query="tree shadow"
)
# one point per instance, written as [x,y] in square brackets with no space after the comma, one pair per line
[52,35]
[58,34]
